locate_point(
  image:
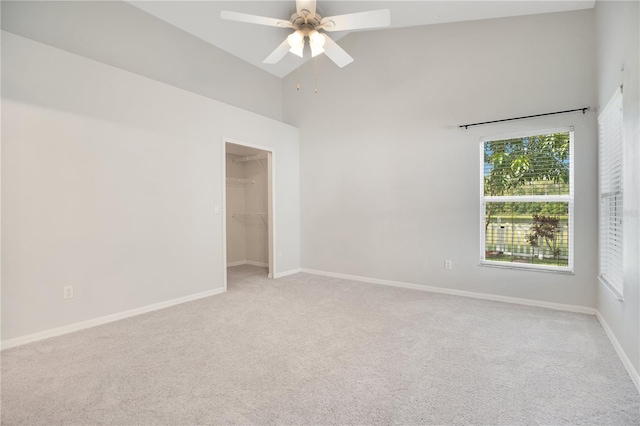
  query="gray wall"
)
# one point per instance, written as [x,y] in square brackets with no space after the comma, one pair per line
[618,44]
[390,185]
[118,34]
[110,182]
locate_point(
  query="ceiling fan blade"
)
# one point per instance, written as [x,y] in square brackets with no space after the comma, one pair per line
[278,54]
[309,5]
[357,21]
[336,53]
[255,19]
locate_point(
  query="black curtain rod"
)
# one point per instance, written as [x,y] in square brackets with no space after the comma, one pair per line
[466,126]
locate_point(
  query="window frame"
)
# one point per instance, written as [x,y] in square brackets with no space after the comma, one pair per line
[569,269]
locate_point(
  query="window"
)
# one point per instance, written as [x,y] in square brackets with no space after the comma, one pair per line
[527,201]
[611,208]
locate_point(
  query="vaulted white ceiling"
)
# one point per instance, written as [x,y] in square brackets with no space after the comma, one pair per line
[253,43]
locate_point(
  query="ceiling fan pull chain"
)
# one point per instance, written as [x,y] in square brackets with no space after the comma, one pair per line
[315,75]
[298,75]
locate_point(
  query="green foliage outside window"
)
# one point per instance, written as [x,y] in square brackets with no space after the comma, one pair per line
[532,165]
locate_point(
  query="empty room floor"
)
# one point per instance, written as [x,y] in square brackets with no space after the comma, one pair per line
[318,350]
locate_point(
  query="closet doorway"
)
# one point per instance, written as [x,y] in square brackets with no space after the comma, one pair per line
[248,206]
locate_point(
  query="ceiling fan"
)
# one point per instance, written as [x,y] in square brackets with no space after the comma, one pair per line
[307,23]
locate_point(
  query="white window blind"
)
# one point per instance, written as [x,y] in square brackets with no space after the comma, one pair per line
[527,200]
[611,195]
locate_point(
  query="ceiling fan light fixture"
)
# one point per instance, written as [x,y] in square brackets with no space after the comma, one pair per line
[295,38]
[315,38]
[315,51]
[298,50]
[316,41]
[296,42]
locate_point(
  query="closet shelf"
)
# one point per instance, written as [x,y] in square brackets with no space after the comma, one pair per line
[238,180]
[249,215]
[250,158]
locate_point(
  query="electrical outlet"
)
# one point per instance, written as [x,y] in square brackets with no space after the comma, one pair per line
[447,264]
[279,254]
[68,292]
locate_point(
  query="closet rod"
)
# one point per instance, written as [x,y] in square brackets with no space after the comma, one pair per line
[248,214]
[251,157]
[238,180]
[466,126]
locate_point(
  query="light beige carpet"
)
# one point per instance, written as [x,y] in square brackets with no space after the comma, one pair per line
[314,350]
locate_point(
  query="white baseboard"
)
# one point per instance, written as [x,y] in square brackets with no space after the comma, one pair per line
[46,334]
[484,296]
[635,378]
[247,262]
[285,273]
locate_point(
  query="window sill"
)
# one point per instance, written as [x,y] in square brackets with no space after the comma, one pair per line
[611,289]
[527,267]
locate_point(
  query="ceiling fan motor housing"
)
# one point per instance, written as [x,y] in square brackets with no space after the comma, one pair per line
[304,22]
